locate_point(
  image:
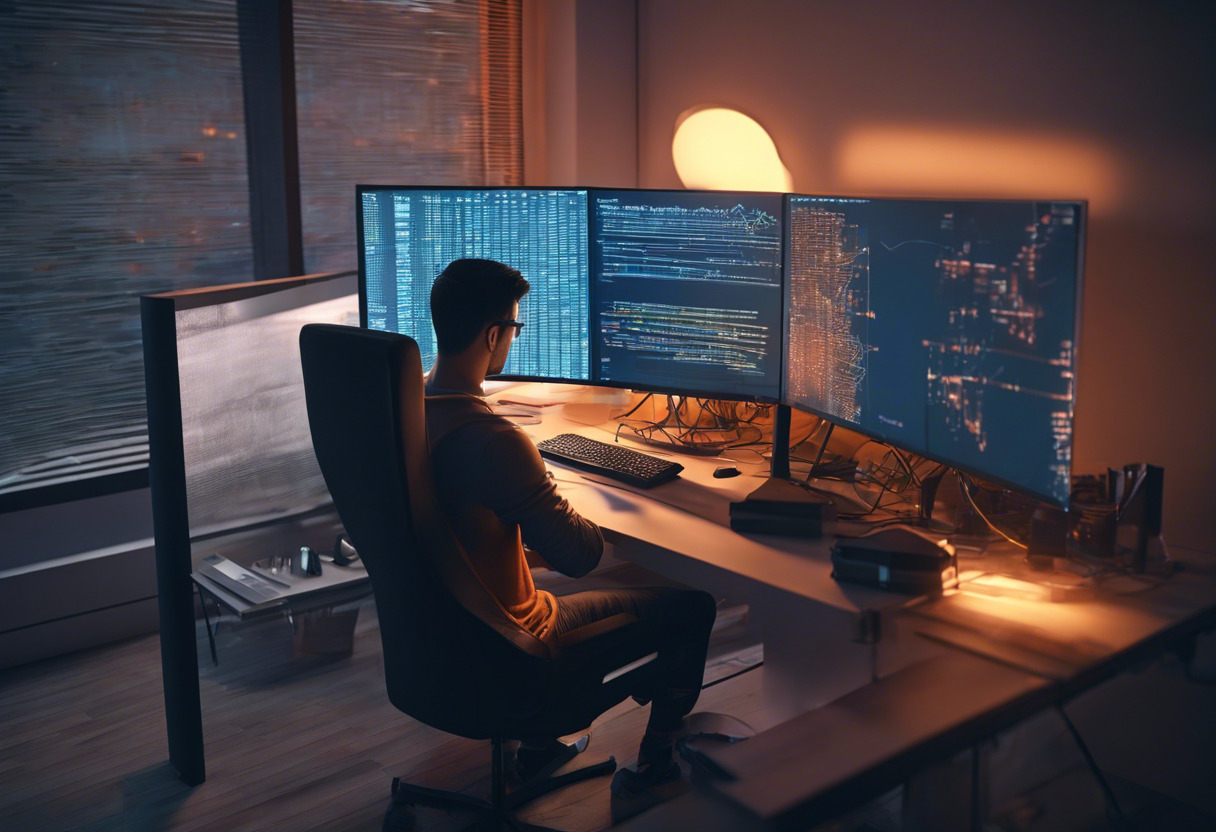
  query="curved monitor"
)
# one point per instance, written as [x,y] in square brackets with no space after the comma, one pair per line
[408,235]
[947,327]
[686,292]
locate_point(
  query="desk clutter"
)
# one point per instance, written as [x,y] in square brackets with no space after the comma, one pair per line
[896,558]
[317,601]
[271,582]
[251,587]
[781,506]
[897,552]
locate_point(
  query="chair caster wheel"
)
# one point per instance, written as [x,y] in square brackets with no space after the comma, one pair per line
[399,817]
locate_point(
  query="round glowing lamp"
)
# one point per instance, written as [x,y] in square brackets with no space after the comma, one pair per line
[718,149]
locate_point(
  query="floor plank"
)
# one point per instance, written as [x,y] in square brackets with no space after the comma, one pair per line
[299,744]
[292,742]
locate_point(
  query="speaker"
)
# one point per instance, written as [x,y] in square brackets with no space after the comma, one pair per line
[344,552]
[1048,537]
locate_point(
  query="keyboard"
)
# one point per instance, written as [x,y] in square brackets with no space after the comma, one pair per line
[623,464]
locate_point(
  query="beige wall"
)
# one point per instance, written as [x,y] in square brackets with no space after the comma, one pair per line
[580,93]
[1123,93]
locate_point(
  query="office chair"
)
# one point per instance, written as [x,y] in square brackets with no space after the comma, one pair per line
[453,657]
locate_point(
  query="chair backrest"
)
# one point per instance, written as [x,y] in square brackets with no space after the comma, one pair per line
[448,643]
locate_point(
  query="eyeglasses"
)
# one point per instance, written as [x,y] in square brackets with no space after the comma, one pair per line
[517,324]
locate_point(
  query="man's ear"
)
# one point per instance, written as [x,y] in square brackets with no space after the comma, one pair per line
[492,335]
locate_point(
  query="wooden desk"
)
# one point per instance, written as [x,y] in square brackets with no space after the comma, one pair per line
[835,758]
[952,672]
[813,650]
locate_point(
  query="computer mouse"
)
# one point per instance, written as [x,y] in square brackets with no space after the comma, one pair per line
[726,471]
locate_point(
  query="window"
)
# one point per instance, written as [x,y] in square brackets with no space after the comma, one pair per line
[124,160]
[431,96]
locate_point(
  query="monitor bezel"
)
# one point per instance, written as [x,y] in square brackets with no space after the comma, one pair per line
[1021,488]
[362,263]
[689,392]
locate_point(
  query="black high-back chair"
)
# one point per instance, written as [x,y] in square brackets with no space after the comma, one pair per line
[453,658]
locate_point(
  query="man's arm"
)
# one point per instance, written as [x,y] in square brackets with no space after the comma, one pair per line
[519,490]
[535,561]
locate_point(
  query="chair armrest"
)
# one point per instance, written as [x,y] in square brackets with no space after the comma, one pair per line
[596,629]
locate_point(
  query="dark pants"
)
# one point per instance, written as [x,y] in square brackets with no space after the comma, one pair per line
[682,617]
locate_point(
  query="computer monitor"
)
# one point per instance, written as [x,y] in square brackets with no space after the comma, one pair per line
[947,327]
[408,235]
[686,292]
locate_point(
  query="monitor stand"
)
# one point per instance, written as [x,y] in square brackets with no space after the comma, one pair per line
[675,432]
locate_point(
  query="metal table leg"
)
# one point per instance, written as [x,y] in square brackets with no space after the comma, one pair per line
[207,621]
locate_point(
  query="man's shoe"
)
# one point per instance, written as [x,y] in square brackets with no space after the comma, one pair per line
[534,763]
[628,783]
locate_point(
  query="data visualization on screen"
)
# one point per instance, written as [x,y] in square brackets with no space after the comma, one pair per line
[409,235]
[946,327]
[687,291]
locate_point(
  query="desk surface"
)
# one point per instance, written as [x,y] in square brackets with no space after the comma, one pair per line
[835,757]
[688,518]
[335,585]
[1004,659]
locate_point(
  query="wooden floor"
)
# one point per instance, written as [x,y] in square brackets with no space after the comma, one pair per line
[291,743]
[301,744]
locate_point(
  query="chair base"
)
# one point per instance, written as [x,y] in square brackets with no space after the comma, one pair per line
[495,814]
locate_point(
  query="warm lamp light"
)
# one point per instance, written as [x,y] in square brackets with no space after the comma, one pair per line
[971,162]
[716,149]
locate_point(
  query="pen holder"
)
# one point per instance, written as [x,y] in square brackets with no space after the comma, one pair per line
[307,564]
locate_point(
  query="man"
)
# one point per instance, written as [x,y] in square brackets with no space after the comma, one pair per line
[498,496]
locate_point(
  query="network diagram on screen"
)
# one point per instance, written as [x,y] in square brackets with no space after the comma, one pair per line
[947,327]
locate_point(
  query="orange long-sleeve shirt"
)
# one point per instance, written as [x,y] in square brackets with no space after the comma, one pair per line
[498,496]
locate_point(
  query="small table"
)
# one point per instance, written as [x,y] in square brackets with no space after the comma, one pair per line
[308,602]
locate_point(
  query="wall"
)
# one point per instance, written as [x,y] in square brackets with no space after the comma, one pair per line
[580,93]
[76,575]
[1116,104]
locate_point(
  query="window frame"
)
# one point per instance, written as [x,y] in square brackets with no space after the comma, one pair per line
[268,81]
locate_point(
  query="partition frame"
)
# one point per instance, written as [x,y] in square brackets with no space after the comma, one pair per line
[170,510]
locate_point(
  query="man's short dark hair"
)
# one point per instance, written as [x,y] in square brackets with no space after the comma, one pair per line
[467,295]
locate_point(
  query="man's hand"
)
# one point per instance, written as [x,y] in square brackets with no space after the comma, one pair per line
[535,561]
